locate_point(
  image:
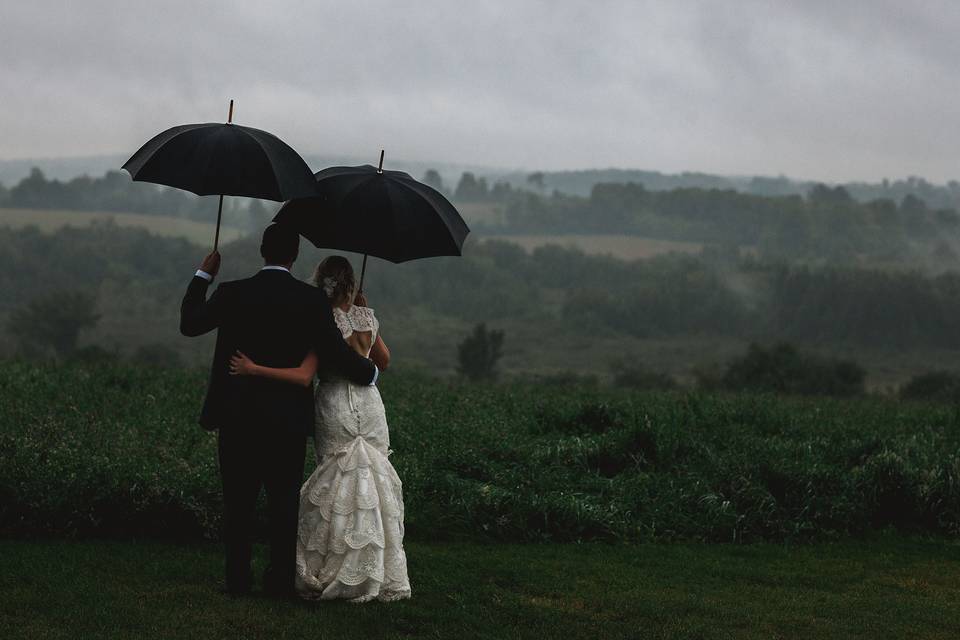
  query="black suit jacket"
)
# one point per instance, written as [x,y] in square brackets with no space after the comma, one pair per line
[276,320]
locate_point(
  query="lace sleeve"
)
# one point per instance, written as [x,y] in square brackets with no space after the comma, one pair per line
[363,319]
[356,319]
[343,322]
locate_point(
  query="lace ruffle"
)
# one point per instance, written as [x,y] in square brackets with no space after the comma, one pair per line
[351,528]
[356,319]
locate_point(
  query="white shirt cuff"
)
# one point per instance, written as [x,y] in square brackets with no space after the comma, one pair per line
[203,274]
[376,374]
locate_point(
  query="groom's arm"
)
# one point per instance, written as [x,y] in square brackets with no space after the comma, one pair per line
[197,314]
[343,359]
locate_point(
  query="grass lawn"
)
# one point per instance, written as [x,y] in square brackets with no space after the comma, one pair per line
[887,588]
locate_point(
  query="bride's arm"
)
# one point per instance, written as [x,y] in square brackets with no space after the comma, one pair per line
[241,365]
[380,354]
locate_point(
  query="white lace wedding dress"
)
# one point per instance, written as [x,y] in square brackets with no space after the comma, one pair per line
[350,543]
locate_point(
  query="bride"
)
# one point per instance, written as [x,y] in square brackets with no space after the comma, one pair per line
[350,543]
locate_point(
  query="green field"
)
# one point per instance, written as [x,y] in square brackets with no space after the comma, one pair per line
[889,588]
[50,220]
[532,510]
[114,450]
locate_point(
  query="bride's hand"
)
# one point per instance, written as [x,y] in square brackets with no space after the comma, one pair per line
[360,300]
[241,365]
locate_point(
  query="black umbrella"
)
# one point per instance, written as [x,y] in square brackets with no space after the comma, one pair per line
[223,159]
[386,214]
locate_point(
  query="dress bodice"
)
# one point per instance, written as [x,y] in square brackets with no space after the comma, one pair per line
[356,318]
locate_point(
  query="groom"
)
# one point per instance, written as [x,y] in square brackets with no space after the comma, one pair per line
[276,320]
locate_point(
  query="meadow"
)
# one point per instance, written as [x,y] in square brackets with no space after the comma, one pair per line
[114,450]
[532,510]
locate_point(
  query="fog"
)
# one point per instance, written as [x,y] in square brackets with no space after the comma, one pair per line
[819,90]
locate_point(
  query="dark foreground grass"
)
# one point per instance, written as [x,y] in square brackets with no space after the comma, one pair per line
[887,588]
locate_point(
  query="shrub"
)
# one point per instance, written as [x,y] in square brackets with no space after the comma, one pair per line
[479,353]
[935,385]
[783,369]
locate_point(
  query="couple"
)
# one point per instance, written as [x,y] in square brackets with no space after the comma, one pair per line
[340,534]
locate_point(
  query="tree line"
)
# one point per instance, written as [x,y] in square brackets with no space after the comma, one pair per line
[826,225]
[711,294]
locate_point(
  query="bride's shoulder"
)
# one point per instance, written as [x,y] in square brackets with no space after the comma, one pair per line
[365,312]
[363,317]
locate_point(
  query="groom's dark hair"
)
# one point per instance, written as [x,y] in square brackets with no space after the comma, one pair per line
[280,244]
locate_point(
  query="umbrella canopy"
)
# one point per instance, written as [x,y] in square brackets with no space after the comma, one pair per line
[223,159]
[386,214]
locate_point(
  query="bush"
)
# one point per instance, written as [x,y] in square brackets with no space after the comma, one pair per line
[479,353]
[942,386]
[782,369]
[54,321]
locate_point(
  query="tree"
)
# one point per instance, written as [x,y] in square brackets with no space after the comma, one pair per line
[54,321]
[432,179]
[470,189]
[479,353]
[536,180]
[912,205]
[822,194]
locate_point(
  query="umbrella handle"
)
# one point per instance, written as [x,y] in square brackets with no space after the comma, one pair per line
[363,272]
[216,237]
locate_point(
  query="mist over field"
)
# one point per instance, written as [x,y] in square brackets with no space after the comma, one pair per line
[628,280]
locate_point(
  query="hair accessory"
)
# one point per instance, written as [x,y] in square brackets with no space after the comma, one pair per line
[329,284]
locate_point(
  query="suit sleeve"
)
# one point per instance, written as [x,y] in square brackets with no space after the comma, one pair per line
[197,314]
[329,342]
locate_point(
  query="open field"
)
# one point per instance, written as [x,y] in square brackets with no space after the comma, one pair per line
[889,588]
[844,514]
[50,220]
[114,450]
[624,247]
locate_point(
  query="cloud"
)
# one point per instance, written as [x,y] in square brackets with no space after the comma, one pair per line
[826,90]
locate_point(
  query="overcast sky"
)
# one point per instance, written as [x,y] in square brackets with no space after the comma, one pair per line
[822,90]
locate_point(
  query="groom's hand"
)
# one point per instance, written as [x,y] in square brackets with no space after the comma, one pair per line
[211,264]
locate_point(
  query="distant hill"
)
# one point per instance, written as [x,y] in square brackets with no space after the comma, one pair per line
[576,182]
[15,170]
[581,182]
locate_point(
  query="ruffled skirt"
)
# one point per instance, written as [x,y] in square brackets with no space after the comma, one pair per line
[350,539]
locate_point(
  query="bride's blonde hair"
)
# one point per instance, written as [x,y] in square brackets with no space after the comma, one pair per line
[334,275]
